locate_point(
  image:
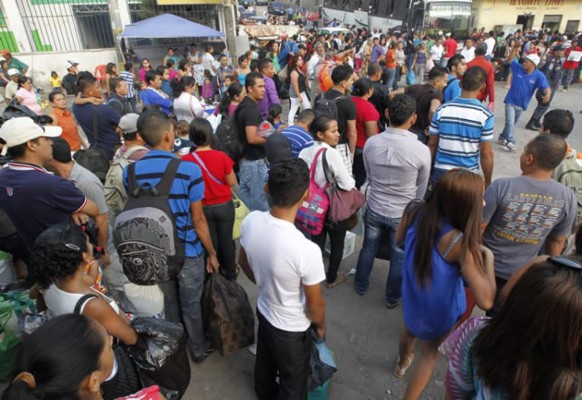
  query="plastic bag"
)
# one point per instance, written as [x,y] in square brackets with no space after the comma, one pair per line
[322,365]
[410,78]
[161,355]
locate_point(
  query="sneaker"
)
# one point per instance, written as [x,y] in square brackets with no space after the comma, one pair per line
[531,126]
[207,353]
[501,142]
[537,124]
[510,147]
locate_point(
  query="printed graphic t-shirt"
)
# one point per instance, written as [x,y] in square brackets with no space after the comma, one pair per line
[521,213]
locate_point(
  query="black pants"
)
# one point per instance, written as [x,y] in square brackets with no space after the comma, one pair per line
[541,108]
[283,354]
[220,220]
[337,236]
[358,168]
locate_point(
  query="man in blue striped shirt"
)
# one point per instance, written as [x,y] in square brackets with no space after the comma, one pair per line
[129,77]
[461,131]
[185,201]
[298,134]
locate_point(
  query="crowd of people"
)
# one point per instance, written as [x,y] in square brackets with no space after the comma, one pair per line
[198,130]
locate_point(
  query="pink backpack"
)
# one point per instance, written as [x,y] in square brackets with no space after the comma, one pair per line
[311,215]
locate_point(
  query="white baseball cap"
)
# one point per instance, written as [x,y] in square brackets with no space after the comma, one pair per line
[17,131]
[13,71]
[534,58]
[70,64]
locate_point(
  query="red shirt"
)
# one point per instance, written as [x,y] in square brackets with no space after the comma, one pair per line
[220,165]
[489,90]
[365,112]
[451,46]
[571,64]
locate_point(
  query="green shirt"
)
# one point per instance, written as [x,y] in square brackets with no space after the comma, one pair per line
[19,65]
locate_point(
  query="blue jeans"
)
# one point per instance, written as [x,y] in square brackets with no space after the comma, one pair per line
[252,175]
[182,303]
[512,114]
[390,73]
[376,227]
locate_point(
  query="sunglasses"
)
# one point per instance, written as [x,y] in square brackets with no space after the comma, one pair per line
[565,262]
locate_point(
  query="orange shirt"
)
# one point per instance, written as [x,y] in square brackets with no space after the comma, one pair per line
[70,132]
[390,59]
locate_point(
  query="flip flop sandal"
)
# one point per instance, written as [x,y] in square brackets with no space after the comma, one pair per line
[399,371]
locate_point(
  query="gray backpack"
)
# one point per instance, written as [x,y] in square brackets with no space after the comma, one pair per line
[145,234]
[324,107]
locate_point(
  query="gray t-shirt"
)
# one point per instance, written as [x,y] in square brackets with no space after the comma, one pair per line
[521,213]
[89,185]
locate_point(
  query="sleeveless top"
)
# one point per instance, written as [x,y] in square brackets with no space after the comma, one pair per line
[300,82]
[431,310]
[242,78]
[60,302]
[421,58]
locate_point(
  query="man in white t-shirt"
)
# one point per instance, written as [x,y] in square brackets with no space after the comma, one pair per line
[490,42]
[288,270]
[468,50]
[208,60]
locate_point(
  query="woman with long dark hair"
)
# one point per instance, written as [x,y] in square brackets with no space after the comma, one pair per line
[297,86]
[186,104]
[230,100]
[442,245]
[144,68]
[26,95]
[532,348]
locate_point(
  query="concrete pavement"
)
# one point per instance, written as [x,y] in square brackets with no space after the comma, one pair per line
[362,332]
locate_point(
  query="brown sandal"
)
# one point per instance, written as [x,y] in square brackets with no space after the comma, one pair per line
[399,371]
[341,278]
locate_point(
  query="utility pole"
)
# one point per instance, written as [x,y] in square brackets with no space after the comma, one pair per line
[116,26]
[230,21]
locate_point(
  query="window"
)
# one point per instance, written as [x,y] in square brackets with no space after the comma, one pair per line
[572,26]
[552,22]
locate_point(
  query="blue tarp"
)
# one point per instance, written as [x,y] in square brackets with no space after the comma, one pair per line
[168,26]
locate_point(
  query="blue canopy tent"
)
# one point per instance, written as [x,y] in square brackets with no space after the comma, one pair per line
[167,26]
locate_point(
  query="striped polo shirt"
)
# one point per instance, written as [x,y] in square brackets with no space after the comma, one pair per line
[298,138]
[461,126]
[187,188]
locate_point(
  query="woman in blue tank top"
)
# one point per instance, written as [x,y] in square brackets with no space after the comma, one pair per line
[442,245]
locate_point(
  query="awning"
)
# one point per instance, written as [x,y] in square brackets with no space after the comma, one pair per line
[168,26]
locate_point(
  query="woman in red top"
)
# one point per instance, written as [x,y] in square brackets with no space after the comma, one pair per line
[367,118]
[217,203]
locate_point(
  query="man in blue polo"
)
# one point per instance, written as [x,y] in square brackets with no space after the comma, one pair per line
[101,117]
[526,79]
[33,198]
[185,201]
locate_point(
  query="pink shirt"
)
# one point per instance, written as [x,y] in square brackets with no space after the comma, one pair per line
[29,100]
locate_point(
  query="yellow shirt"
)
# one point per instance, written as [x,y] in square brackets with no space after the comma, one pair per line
[55,82]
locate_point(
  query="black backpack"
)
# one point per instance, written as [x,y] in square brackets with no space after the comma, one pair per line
[145,234]
[94,159]
[323,107]
[229,139]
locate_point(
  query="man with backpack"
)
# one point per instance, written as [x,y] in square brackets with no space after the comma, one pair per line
[569,173]
[99,122]
[185,203]
[253,165]
[118,99]
[335,104]
[132,150]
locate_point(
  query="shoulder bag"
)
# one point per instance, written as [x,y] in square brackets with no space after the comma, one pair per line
[342,203]
[313,211]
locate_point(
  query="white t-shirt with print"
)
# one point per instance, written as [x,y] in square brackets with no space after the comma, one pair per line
[283,261]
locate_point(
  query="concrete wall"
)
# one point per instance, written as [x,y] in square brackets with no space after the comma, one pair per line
[41,64]
[489,13]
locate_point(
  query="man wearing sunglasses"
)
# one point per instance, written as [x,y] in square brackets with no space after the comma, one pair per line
[531,213]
